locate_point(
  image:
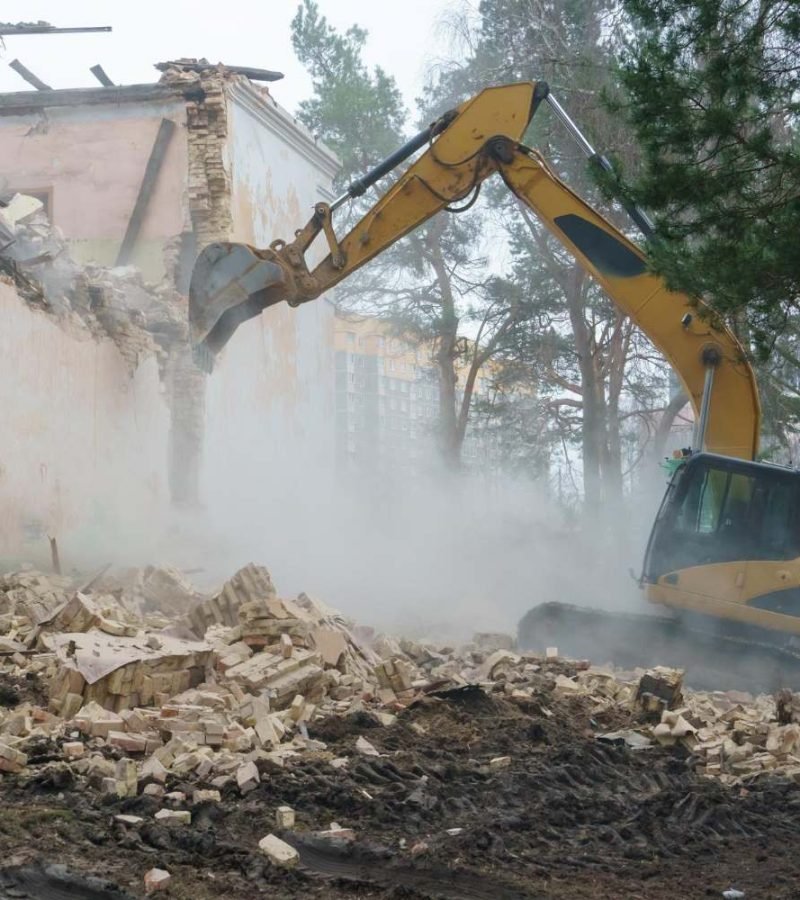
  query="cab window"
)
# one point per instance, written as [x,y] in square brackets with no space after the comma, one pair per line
[724,513]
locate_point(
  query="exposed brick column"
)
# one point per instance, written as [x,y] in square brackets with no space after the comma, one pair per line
[210,211]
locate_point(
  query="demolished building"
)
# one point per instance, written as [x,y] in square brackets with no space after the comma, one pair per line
[106,417]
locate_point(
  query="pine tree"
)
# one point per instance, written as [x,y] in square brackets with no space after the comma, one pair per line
[359,114]
[571,340]
[434,279]
[712,89]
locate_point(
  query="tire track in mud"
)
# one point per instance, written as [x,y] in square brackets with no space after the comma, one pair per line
[567,817]
[54,882]
[365,866]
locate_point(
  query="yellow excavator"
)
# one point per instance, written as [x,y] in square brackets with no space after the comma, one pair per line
[724,552]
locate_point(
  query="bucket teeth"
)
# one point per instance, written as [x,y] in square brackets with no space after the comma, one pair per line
[230,284]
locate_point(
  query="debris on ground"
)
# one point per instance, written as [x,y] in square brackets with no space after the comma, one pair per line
[170,712]
[238,677]
[116,302]
[156,880]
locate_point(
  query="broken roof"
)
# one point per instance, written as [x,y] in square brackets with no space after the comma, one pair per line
[203,65]
[19,102]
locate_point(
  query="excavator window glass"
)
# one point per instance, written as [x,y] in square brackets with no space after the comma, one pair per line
[724,510]
[712,490]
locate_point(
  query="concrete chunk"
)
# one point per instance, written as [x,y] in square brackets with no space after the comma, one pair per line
[331,644]
[173,817]
[73,749]
[659,689]
[247,777]
[364,747]
[153,768]
[130,743]
[284,817]
[156,880]
[278,851]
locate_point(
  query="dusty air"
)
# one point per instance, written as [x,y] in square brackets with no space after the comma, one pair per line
[398,474]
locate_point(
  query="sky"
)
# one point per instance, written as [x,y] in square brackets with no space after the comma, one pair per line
[403,38]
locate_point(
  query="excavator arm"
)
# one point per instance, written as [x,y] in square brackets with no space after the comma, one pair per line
[694,340]
[482,137]
[233,282]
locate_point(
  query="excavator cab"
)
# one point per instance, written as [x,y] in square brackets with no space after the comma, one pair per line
[727,540]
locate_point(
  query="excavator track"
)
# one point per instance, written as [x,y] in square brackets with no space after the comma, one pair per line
[713,658]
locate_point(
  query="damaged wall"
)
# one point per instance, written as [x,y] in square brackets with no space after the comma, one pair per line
[237,167]
[88,160]
[82,454]
[273,384]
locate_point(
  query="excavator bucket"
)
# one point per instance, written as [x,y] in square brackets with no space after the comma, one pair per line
[231,283]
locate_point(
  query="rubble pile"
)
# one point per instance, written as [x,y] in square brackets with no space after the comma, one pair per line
[222,681]
[115,302]
[158,709]
[149,681]
[28,599]
[730,736]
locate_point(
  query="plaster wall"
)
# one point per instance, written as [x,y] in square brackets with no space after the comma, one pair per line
[88,452]
[270,400]
[83,446]
[91,160]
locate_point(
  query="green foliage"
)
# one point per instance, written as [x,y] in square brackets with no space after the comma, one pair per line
[562,346]
[428,282]
[359,114]
[592,374]
[712,89]
[779,391]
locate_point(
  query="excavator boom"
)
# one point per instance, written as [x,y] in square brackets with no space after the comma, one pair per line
[722,509]
[483,137]
[233,282]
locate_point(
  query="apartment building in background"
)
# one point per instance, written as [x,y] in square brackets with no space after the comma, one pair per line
[387,402]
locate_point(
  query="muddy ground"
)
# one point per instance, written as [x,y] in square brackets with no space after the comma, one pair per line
[570,817]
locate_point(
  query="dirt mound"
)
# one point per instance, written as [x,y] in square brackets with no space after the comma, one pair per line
[439,812]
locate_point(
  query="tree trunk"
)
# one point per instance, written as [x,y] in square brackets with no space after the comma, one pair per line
[449,444]
[615,375]
[592,418]
[676,403]
[446,351]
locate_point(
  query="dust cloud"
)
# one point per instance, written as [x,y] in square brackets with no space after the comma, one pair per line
[439,556]
[433,556]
